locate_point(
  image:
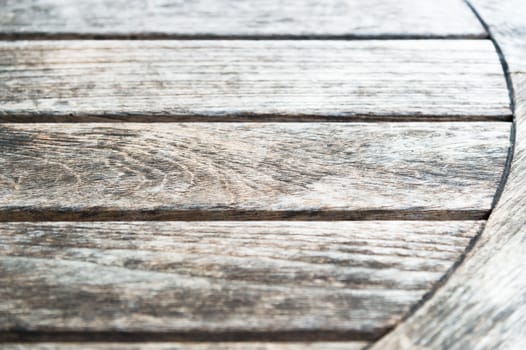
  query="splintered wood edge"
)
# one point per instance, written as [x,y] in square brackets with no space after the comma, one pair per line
[482,305]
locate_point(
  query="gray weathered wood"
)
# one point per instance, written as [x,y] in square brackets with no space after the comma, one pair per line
[255,80]
[189,346]
[483,305]
[199,280]
[250,170]
[224,18]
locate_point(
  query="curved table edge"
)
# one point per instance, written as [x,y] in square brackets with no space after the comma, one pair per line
[483,304]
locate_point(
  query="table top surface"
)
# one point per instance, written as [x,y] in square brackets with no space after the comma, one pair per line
[262,175]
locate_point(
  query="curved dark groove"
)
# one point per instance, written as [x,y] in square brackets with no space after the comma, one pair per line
[469,310]
[511,93]
[500,187]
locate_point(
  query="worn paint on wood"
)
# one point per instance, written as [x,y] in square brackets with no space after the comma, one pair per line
[193,280]
[204,171]
[483,305]
[223,18]
[251,80]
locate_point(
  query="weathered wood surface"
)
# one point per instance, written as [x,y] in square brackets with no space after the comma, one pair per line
[207,171]
[254,80]
[209,280]
[483,305]
[204,18]
[257,281]
[190,346]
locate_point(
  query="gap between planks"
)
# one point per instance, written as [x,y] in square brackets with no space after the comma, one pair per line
[187,337]
[128,345]
[102,214]
[249,118]
[159,36]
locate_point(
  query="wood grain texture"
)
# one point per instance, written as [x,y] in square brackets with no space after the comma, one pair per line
[251,80]
[224,18]
[215,280]
[189,346]
[208,171]
[483,305]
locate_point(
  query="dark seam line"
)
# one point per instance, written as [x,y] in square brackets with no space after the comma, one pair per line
[17,336]
[245,118]
[101,214]
[163,36]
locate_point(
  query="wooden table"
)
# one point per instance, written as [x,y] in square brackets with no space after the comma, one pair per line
[262,175]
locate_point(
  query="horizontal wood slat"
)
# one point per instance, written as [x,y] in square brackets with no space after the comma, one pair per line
[207,171]
[251,80]
[191,280]
[270,18]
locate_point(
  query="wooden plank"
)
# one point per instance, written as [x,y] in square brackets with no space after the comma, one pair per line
[227,19]
[251,171]
[200,281]
[251,80]
[483,305]
[189,346]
